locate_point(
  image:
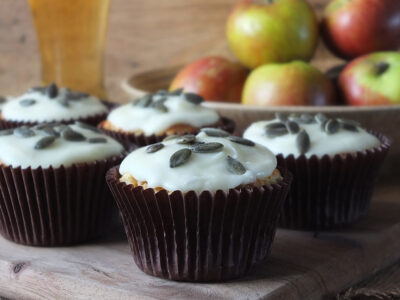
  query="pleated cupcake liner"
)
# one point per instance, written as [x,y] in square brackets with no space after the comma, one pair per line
[331,192]
[132,141]
[92,120]
[56,206]
[206,237]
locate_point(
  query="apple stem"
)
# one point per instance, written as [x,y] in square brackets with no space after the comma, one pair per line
[381,67]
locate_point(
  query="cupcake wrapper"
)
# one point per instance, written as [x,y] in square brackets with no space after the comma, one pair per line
[199,237]
[131,141]
[331,192]
[56,206]
[92,120]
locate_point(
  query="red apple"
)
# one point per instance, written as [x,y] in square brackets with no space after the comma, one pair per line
[372,79]
[356,27]
[215,78]
[295,83]
[265,31]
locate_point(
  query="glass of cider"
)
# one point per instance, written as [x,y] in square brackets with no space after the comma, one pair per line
[71,35]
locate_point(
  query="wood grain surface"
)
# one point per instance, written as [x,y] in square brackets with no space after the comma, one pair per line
[301,266]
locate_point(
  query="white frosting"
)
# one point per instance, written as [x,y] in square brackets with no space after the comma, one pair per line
[48,109]
[19,151]
[321,143]
[152,121]
[203,171]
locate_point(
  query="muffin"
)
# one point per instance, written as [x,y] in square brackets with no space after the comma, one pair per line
[199,208]
[334,163]
[50,104]
[52,182]
[151,118]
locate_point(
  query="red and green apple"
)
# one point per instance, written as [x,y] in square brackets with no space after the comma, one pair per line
[372,79]
[265,31]
[356,27]
[214,78]
[294,83]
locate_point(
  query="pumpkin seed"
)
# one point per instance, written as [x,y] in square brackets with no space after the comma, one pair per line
[154,148]
[63,102]
[352,122]
[241,141]
[281,117]
[87,126]
[159,105]
[292,127]
[52,90]
[207,147]
[179,157]
[75,96]
[186,139]
[2,99]
[50,131]
[45,142]
[176,92]
[97,140]
[215,132]
[24,132]
[332,126]
[306,119]
[320,118]
[276,129]
[27,102]
[303,142]
[6,132]
[276,125]
[235,166]
[144,101]
[193,98]
[72,136]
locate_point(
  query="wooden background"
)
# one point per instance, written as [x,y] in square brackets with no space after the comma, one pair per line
[142,35]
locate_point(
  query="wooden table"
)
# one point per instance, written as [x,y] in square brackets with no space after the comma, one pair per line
[301,266]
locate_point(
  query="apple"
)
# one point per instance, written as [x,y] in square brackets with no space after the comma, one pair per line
[356,27]
[267,31]
[372,79]
[294,83]
[214,78]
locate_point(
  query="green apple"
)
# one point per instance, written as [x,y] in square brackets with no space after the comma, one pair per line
[295,83]
[372,79]
[265,31]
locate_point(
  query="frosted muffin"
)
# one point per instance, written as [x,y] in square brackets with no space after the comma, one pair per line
[52,182]
[154,116]
[334,163]
[51,104]
[199,208]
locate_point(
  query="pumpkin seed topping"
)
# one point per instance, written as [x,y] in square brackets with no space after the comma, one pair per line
[234,166]
[332,126]
[44,142]
[292,127]
[72,136]
[193,98]
[186,139]
[154,148]
[24,132]
[207,147]
[179,157]
[241,141]
[27,102]
[215,132]
[97,140]
[52,90]
[303,142]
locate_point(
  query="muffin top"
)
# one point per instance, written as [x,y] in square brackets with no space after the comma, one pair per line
[212,160]
[155,113]
[54,145]
[51,104]
[311,135]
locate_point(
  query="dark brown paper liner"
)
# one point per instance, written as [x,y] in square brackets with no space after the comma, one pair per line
[130,140]
[92,120]
[331,192]
[199,237]
[56,206]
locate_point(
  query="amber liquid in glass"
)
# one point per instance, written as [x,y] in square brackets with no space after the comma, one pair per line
[71,35]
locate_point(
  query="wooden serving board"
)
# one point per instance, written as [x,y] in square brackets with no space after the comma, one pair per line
[301,266]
